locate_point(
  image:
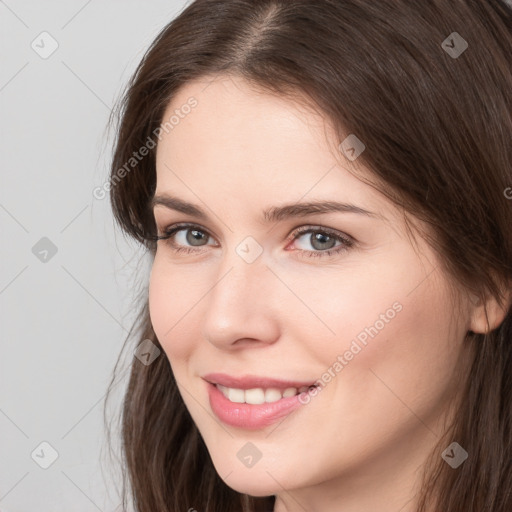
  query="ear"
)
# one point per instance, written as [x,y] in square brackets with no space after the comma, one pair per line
[488,314]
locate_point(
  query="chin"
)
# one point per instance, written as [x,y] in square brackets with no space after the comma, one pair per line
[254,484]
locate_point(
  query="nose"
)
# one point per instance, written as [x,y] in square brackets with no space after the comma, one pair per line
[242,305]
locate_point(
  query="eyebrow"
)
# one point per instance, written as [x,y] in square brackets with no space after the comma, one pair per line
[273,214]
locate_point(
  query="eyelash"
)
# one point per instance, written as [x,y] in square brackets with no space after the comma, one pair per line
[170,231]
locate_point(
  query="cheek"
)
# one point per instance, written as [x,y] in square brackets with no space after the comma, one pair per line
[393,330]
[353,307]
[425,335]
[404,368]
[171,301]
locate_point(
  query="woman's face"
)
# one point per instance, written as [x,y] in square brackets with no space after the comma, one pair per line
[340,298]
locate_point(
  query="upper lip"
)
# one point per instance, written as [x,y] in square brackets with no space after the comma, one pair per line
[253,381]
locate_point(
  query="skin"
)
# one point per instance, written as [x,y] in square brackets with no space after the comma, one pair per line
[361,443]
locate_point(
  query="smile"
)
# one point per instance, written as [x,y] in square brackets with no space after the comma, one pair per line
[253,402]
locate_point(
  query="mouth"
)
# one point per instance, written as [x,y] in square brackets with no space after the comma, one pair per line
[254,402]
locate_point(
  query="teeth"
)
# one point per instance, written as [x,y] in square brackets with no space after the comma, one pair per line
[272,395]
[258,396]
[236,395]
[289,392]
[254,396]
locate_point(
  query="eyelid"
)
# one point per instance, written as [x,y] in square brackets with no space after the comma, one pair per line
[173,228]
[312,228]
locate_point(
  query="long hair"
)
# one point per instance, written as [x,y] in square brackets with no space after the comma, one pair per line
[427,87]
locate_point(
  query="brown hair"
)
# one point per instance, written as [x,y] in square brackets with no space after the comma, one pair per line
[437,127]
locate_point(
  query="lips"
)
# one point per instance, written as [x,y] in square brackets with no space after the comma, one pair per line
[251,382]
[252,402]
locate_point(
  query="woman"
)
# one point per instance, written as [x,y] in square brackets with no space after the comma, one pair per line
[322,188]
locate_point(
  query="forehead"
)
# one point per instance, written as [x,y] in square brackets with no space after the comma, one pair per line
[240,121]
[254,147]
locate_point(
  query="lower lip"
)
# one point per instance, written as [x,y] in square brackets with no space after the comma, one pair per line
[250,416]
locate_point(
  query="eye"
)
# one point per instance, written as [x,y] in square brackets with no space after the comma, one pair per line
[187,238]
[179,235]
[323,241]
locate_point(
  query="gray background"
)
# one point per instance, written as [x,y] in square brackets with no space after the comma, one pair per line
[63,316]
